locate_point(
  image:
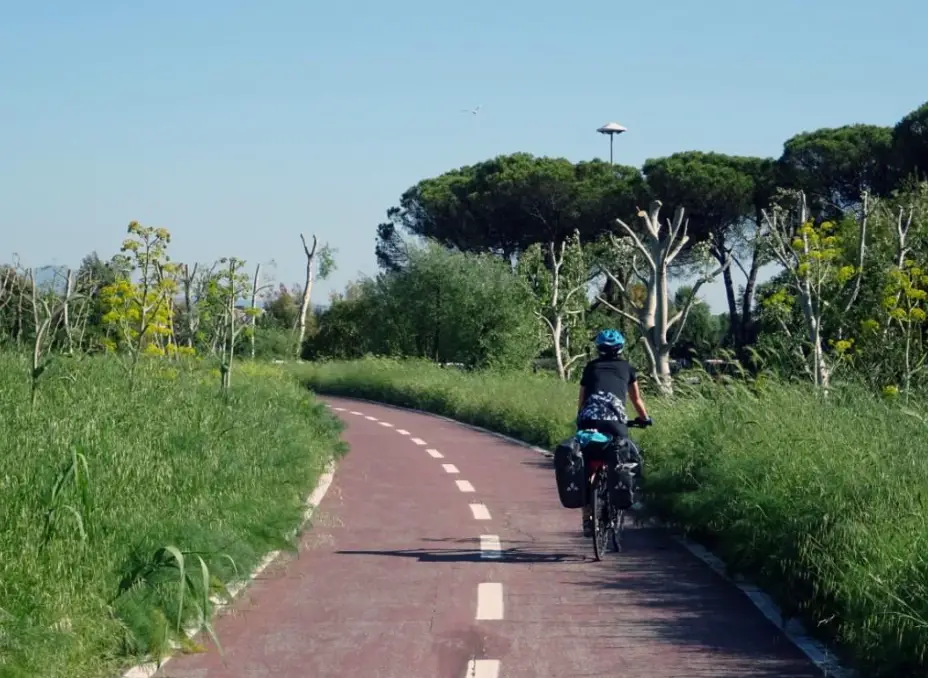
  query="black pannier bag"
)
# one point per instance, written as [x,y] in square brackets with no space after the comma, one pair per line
[622,482]
[570,474]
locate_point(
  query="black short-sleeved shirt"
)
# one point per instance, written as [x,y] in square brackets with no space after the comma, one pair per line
[610,375]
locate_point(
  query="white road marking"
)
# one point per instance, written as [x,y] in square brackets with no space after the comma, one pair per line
[489,601]
[357,413]
[419,441]
[480,512]
[386,423]
[369,418]
[464,486]
[435,454]
[339,409]
[450,468]
[489,546]
[482,668]
[402,432]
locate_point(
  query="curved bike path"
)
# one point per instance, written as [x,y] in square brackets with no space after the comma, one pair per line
[442,552]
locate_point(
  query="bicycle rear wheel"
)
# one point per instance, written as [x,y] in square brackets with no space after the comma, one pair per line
[617,526]
[600,516]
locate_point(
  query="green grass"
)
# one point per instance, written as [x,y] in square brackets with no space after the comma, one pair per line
[97,481]
[825,504]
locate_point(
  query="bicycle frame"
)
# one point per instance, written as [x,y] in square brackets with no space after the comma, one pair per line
[596,468]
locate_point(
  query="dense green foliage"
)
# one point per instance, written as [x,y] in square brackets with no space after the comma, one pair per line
[821,501]
[446,306]
[98,476]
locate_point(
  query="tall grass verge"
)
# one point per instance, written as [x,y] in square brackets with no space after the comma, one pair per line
[824,503]
[124,512]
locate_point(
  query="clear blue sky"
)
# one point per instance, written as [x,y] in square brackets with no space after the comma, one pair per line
[237,125]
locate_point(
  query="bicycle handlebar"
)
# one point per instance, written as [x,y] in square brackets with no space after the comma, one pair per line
[638,422]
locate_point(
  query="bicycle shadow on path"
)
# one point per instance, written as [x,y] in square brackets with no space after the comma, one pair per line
[469,551]
[657,591]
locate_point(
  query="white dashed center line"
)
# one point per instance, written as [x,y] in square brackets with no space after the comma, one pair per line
[489,546]
[489,594]
[480,512]
[482,668]
[489,602]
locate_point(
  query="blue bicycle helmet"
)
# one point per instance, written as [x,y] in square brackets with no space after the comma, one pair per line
[610,341]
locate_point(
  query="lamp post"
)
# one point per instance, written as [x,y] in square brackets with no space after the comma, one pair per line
[611,129]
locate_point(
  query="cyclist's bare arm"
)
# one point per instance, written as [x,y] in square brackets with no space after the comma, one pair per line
[634,394]
[581,399]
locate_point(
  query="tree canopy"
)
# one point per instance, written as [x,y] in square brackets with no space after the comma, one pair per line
[835,165]
[910,143]
[446,306]
[510,202]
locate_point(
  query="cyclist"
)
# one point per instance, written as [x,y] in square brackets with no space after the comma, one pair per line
[606,382]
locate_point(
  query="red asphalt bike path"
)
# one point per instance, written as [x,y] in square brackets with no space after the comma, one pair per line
[386,581]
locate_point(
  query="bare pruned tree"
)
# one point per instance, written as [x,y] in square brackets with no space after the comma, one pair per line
[657,248]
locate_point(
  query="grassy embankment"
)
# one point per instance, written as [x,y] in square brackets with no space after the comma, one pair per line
[98,479]
[824,504]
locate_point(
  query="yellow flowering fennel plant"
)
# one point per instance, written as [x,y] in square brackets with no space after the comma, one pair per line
[812,257]
[139,315]
[905,313]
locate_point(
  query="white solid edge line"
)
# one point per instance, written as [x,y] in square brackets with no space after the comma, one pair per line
[419,441]
[810,647]
[386,423]
[482,668]
[464,486]
[435,454]
[450,468]
[480,512]
[149,669]
[490,546]
[402,431]
[370,418]
[793,629]
[489,601]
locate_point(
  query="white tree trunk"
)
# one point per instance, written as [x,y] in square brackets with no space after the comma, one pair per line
[307,291]
[254,315]
[807,289]
[68,291]
[558,282]
[189,309]
[557,330]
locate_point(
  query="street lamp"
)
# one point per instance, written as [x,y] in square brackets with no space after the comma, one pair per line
[611,129]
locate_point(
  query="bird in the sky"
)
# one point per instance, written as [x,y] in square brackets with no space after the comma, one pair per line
[472,111]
